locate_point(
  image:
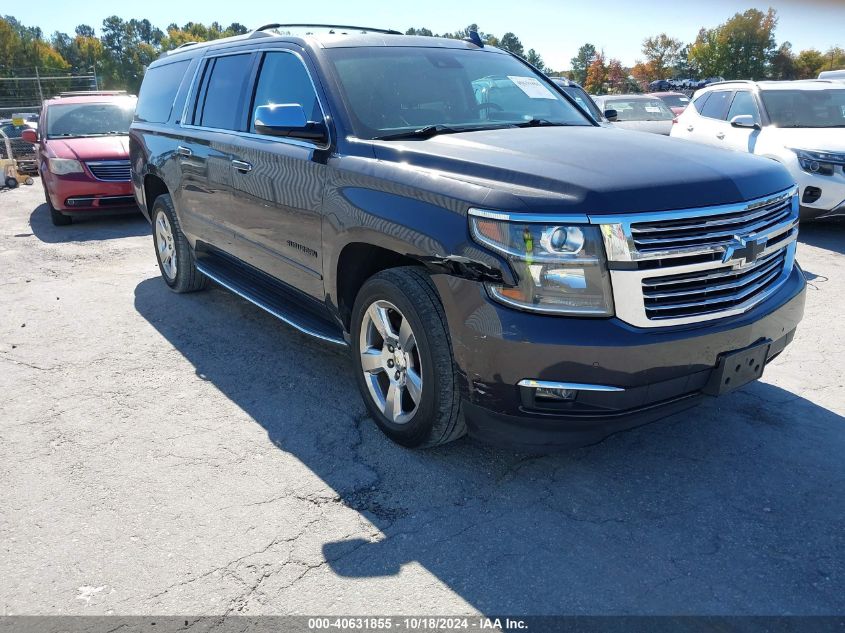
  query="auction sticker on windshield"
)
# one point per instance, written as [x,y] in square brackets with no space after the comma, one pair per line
[532,87]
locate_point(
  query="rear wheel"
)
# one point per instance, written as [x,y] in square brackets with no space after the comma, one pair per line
[403,359]
[11,183]
[173,253]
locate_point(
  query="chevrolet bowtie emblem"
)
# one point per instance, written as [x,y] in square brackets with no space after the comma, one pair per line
[744,250]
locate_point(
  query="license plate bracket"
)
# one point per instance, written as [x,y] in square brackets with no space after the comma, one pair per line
[736,369]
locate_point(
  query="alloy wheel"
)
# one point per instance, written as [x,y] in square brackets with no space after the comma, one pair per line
[166,246]
[390,361]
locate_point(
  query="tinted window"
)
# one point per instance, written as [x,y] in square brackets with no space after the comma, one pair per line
[700,100]
[283,79]
[159,90]
[717,105]
[583,100]
[225,89]
[743,104]
[675,101]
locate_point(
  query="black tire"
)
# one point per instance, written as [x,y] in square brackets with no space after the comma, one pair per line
[56,217]
[437,418]
[11,183]
[187,278]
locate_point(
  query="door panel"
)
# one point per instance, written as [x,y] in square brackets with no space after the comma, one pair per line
[277,195]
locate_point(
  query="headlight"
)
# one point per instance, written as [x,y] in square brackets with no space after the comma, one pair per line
[560,268]
[61,166]
[818,163]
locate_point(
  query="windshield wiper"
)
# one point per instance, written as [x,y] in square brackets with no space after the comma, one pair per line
[424,132]
[541,123]
[433,130]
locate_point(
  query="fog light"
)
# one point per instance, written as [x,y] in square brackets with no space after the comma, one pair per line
[555,394]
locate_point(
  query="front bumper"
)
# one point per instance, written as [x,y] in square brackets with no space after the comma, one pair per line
[660,370]
[81,193]
[831,202]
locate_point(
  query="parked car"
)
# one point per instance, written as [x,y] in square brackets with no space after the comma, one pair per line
[676,101]
[574,90]
[83,154]
[659,85]
[21,151]
[833,74]
[800,124]
[497,261]
[638,112]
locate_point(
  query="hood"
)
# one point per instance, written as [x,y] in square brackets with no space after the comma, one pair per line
[830,139]
[91,148]
[590,169]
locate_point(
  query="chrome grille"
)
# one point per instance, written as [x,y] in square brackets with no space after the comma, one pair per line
[708,231]
[110,170]
[693,265]
[706,292]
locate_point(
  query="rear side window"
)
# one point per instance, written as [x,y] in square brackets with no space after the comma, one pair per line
[161,83]
[284,79]
[717,105]
[743,103]
[700,100]
[227,77]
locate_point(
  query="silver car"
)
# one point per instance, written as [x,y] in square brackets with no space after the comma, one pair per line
[638,112]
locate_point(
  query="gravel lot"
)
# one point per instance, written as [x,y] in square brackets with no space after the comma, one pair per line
[164,454]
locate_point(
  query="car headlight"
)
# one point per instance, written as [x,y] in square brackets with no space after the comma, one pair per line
[61,166]
[818,163]
[560,268]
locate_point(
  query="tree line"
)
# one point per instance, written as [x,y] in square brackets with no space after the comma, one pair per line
[743,47]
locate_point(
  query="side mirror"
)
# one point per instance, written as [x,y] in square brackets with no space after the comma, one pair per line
[287,119]
[745,121]
[30,136]
[611,115]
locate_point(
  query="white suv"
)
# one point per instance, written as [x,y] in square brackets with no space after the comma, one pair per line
[800,124]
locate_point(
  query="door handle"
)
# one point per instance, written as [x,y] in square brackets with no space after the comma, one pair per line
[720,135]
[690,128]
[184,151]
[242,166]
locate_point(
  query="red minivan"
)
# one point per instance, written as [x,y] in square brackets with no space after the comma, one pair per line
[83,153]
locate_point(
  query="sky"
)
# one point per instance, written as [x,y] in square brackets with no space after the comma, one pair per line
[555,29]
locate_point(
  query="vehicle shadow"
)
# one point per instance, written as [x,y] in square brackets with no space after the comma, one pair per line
[734,507]
[88,229]
[828,234]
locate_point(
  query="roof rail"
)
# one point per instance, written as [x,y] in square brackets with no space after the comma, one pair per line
[91,93]
[183,45]
[732,81]
[259,31]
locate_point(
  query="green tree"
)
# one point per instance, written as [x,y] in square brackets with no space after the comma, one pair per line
[582,61]
[783,63]
[741,48]
[510,42]
[662,53]
[533,58]
[808,64]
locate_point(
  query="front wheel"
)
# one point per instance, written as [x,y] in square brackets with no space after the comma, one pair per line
[56,217]
[403,359]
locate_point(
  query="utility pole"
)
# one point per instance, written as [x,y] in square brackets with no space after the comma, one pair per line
[38,79]
[94,67]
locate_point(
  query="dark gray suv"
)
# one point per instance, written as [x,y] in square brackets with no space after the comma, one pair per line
[497,261]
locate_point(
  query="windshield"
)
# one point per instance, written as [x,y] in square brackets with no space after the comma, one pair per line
[639,109]
[675,101]
[395,89]
[89,119]
[805,108]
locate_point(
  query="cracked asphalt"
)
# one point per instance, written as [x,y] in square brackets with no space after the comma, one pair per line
[165,454]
